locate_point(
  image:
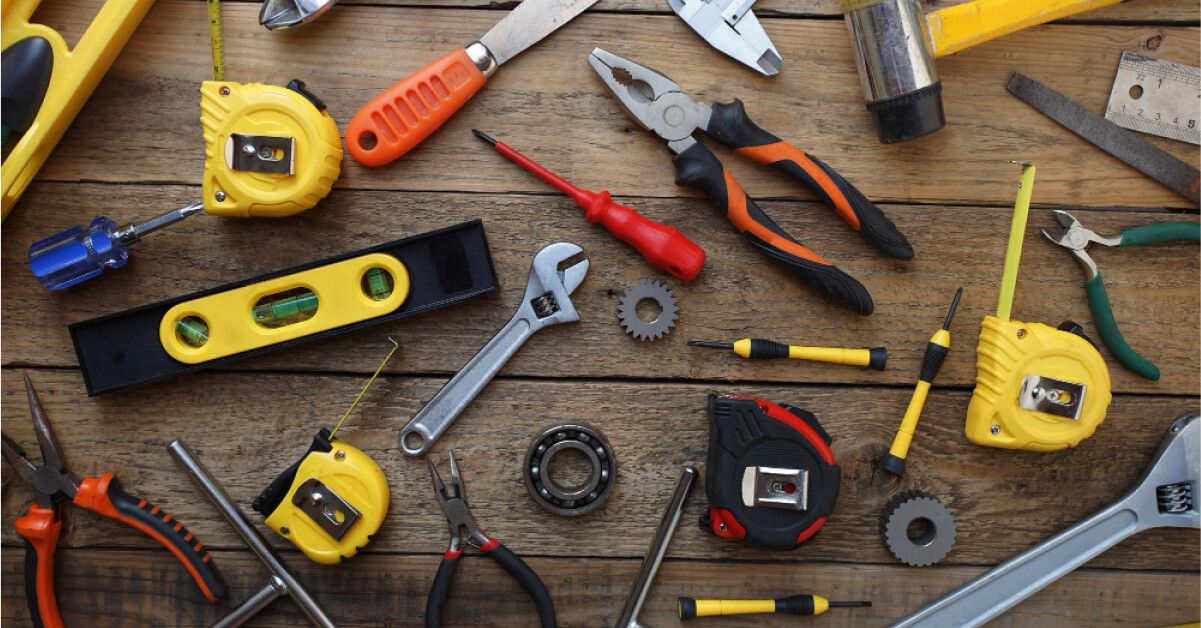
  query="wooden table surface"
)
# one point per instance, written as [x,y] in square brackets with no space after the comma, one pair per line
[135,150]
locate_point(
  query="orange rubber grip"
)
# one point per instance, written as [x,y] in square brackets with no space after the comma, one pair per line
[782,152]
[737,213]
[399,118]
[41,527]
[104,496]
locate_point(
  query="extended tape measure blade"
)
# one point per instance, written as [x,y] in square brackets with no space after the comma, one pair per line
[216,39]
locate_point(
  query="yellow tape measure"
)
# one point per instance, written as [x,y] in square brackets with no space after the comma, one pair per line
[216,39]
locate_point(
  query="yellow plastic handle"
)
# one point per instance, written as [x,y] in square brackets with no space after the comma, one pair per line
[964,25]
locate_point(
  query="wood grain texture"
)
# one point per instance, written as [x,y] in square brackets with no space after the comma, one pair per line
[740,292]
[548,103]
[246,440]
[134,587]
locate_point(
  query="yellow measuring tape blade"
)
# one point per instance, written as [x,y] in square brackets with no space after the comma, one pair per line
[215,39]
[1017,232]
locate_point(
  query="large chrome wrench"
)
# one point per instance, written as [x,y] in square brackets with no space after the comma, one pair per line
[547,302]
[1166,496]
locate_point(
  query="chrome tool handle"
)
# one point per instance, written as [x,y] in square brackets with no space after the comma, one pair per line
[657,550]
[423,429]
[1002,587]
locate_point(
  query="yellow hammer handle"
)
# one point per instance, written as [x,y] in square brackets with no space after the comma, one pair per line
[964,25]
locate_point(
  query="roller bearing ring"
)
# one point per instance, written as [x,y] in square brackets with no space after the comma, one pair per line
[570,501]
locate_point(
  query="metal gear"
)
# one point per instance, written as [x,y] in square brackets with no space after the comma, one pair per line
[627,310]
[933,541]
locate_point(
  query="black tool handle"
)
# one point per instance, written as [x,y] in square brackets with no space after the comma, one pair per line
[441,589]
[730,125]
[698,168]
[526,577]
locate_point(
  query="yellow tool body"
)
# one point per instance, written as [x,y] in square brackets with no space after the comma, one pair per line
[1038,388]
[229,111]
[714,608]
[352,476]
[761,349]
[804,604]
[228,318]
[75,74]
[962,26]
[1008,353]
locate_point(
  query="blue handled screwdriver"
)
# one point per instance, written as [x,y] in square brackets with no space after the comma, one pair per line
[77,254]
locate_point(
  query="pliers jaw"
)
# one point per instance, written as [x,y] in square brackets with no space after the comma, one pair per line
[1077,239]
[453,500]
[51,482]
[651,99]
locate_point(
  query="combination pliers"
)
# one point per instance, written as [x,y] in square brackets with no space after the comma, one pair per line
[1077,240]
[453,500]
[658,105]
[42,524]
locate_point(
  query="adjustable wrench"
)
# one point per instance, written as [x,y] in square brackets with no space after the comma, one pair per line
[1166,496]
[547,302]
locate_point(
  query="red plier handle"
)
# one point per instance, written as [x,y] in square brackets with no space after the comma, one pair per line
[104,496]
[41,527]
[512,564]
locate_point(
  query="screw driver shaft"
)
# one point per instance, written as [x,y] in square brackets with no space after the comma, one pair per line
[760,349]
[663,246]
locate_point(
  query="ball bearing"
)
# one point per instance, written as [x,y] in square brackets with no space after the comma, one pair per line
[570,500]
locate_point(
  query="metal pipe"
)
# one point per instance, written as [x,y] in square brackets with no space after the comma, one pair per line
[273,590]
[226,506]
[658,548]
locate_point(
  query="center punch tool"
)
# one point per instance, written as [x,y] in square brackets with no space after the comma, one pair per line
[658,105]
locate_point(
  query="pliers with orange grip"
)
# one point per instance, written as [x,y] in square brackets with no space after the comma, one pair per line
[659,106]
[42,524]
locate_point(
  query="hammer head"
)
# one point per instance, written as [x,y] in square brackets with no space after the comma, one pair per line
[896,67]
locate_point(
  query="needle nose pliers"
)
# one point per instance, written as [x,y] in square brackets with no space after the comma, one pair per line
[658,105]
[1077,240]
[453,500]
[42,524]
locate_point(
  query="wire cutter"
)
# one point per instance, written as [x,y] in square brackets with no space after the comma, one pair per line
[42,524]
[1077,239]
[659,106]
[453,500]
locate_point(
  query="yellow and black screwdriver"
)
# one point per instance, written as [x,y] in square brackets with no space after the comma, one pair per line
[791,605]
[760,349]
[936,351]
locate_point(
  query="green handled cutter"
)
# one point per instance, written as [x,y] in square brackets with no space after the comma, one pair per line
[1077,239]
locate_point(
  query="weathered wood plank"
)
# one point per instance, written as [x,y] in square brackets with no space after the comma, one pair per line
[248,427]
[549,104]
[130,588]
[740,293]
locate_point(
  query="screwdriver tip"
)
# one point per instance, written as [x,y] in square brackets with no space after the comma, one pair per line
[863,604]
[484,136]
[711,344]
[946,323]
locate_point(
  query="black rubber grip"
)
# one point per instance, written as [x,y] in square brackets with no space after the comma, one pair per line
[171,534]
[767,349]
[686,607]
[795,605]
[932,362]
[730,125]
[31,584]
[528,580]
[877,358]
[439,590]
[698,168]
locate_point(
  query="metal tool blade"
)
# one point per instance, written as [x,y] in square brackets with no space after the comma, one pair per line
[1156,96]
[279,14]
[731,27]
[1182,178]
[528,24]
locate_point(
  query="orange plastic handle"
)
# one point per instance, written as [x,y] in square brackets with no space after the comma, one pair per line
[41,527]
[398,119]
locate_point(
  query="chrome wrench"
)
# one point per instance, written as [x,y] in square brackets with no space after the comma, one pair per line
[547,302]
[1166,496]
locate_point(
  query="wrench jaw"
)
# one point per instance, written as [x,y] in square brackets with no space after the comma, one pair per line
[547,298]
[1168,492]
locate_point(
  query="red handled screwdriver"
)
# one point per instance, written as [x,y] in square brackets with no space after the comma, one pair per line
[663,246]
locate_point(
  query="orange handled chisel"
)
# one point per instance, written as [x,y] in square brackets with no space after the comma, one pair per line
[659,106]
[663,246]
[399,118]
[54,487]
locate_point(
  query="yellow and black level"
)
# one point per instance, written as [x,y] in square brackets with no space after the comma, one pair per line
[284,308]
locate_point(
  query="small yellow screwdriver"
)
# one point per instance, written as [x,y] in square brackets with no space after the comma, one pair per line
[936,351]
[793,605]
[760,349]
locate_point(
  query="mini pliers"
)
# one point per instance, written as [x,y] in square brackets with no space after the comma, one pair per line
[658,105]
[1077,240]
[453,500]
[42,524]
